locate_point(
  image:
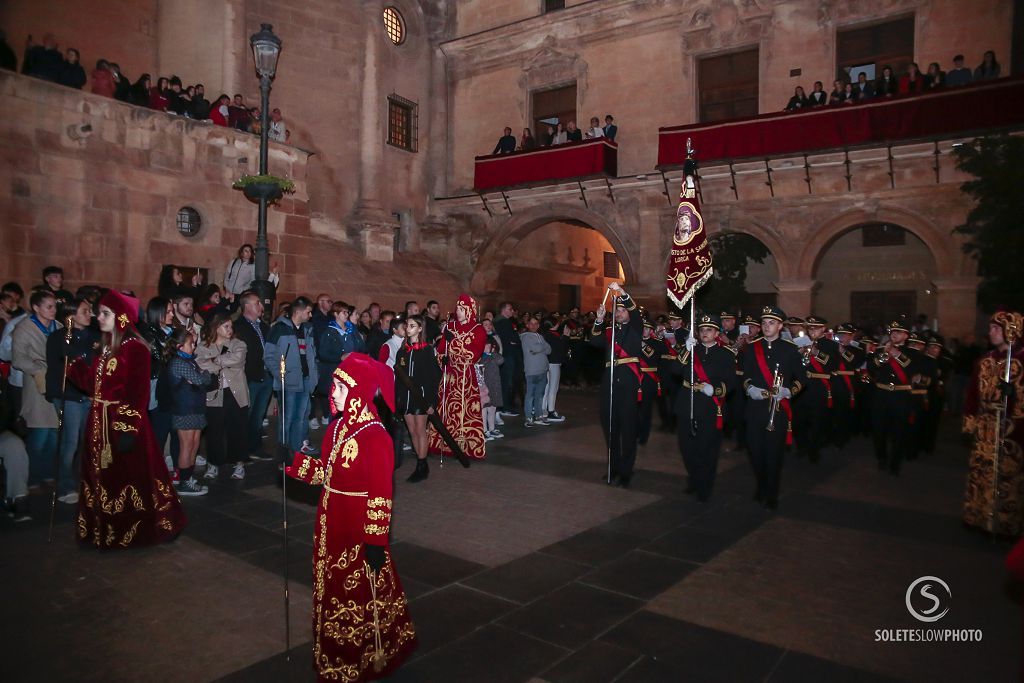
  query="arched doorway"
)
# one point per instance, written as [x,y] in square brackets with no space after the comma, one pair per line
[550,257]
[559,265]
[745,275]
[874,272]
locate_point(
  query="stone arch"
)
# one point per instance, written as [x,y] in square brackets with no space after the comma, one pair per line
[515,228]
[785,260]
[943,248]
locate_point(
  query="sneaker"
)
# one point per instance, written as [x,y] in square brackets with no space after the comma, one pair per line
[211,472]
[498,421]
[191,488]
[266,422]
[508,413]
[200,461]
[239,471]
[259,456]
[555,417]
[543,421]
[69,498]
[488,437]
[17,509]
[527,422]
[496,434]
[307,449]
[325,421]
[407,447]
[314,424]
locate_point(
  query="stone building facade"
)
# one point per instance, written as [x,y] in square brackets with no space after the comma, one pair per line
[374,221]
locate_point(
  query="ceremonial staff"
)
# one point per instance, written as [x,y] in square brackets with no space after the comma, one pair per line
[693,353]
[284,512]
[68,331]
[611,381]
[1010,333]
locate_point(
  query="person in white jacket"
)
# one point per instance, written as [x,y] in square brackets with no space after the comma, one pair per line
[535,367]
[241,272]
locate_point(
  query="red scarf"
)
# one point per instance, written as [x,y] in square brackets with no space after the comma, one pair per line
[633,367]
[416,346]
[820,369]
[762,363]
[702,375]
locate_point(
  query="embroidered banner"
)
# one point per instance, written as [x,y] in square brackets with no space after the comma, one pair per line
[689,264]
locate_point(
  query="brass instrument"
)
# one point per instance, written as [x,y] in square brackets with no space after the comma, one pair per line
[774,394]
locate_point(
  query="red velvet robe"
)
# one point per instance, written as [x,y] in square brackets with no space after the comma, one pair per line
[126,497]
[458,397]
[982,402]
[357,473]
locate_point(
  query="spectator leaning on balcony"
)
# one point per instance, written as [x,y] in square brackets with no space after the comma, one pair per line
[548,137]
[863,90]
[139,93]
[913,82]
[886,84]
[573,134]
[72,75]
[595,131]
[935,78]
[102,79]
[818,96]
[988,69]
[506,143]
[219,112]
[959,74]
[200,105]
[238,114]
[561,137]
[158,95]
[278,131]
[610,129]
[798,100]
[122,86]
[176,102]
[837,96]
[43,61]
[527,142]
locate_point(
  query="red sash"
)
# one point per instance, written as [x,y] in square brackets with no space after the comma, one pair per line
[820,369]
[633,367]
[902,377]
[702,375]
[846,379]
[762,364]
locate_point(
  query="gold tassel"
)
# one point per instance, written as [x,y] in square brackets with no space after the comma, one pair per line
[106,456]
[378,658]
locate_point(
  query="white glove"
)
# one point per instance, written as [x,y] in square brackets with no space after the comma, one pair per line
[755,393]
[785,393]
[707,389]
[690,343]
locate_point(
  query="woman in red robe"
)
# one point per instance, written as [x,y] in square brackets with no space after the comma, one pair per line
[361,624]
[461,345]
[126,497]
[995,503]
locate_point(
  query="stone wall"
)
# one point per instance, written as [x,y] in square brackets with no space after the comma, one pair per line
[103,206]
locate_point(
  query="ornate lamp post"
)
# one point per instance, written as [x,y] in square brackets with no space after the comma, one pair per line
[266,48]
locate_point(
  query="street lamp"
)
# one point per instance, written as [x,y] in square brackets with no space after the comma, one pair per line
[266,48]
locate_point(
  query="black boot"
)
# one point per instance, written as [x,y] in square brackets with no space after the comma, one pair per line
[421,472]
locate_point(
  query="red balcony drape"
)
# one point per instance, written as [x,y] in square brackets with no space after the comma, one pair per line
[572,160]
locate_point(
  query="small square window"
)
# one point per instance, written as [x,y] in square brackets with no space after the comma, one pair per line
[402,123]
[553,5]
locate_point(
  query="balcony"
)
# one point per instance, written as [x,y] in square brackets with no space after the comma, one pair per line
[574,161]
[961,112]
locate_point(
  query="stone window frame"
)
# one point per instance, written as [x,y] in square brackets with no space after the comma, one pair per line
[547,8]
[394,22]
[178,222]
[737,48]
[411,133]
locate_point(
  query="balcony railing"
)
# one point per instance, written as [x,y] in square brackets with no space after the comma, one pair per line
[573,160]
[980,107]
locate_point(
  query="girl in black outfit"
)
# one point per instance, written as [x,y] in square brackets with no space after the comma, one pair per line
[935,78]
[72,75]
[156,328]
[417,359]
[798,100]
[886,85]
[139,93]
[838,94]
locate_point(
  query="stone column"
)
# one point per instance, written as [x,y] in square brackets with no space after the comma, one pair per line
[956,304]
[371,226]
[796,297]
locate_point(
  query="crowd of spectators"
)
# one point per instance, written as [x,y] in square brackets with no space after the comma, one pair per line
[557,134]
[45,61]
[860,89]
[215,371]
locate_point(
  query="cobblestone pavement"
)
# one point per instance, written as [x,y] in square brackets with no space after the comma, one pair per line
[527,568]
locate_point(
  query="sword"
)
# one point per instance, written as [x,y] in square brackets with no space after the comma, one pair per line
[432,417]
